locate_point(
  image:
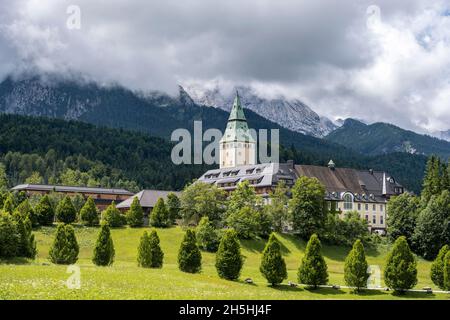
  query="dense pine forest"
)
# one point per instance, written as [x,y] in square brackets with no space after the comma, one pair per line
[44,150]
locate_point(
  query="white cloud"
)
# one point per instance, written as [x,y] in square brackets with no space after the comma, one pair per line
[322,52]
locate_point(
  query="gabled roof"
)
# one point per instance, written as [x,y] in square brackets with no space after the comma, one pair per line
[147,198]
[74,189]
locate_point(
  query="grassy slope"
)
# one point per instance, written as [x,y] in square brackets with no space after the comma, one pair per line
[124,280]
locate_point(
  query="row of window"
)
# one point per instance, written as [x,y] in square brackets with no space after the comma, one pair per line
[237,145]
[374,219]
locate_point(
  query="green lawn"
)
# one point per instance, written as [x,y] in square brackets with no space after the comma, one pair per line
[39,279]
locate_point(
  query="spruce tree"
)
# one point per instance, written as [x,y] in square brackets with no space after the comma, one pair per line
[173,207]
[437,268]
[135,215]
[27,243]
[401,269]
[65,211]
[189,255]
[313,270]
[144,253]
[104,248]
[64,249]
[447,271]
[44,211]
[207,235]
[273,266]
[25,210]
[228,257]
[159,216]
[431,181]
[157,255]
[355,269]
[9,236]
[89,213]
[8,205]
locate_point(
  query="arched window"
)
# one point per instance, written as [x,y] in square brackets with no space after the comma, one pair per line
[348,202]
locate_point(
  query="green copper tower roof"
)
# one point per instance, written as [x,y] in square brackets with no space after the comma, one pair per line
[237,128]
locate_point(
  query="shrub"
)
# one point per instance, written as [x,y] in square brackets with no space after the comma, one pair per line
[8,205]
[113,217]
[135,216]
[104,248]
[207,236]
[150,254]
[159,216]
[9,236]
[65,211]
[64,249]
[228,258]
[89,213]
[401,269]
[355,269]
[189,255]
[447,271]
[44,211]
[273,266]
[313,270]
[437,268]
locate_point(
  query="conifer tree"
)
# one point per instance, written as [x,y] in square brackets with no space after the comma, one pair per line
[313,270]
[65,211]
[207,235]
[8,205]
[135,215]
[44,211]
[9,236]
[273,266]
[437,268]
[112,216]
[447,271]
[401,269]
[159,216]
[155,249]
[144,252]
[173,207]
[25,210]
[189,255]
[89,213]
[228,257]
[104,248]
[431,181]
[64,249]
[355,269]
[27,243]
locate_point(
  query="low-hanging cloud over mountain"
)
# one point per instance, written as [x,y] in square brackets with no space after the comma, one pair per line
[374,60]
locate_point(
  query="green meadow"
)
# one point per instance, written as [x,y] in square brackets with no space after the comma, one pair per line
[39,279]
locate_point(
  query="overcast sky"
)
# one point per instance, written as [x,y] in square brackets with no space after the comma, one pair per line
[385,60]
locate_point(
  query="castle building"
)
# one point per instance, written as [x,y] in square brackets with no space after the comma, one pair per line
[364,191]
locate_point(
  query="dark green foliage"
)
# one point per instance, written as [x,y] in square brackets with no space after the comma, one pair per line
[65,211]
[89,213]
[207,236]
[113,217]
[44,211]
[64,249]
[355,269]
[447,271]
[308,207]
[345,231]
[25,210]
[27,243]
[135,215]
[244,222]
[273,266]
[159,217]
[243,196]
[150,254]
[104,248]
[401,268]
[313,269]
[401,221]
[189,255]
[433,226]
[9,236]
[228,257]
[432,179]
[173,204]
[437,268]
